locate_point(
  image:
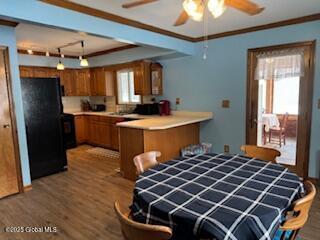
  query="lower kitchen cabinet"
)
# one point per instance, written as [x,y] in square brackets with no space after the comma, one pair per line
[81,129]
[97,131]
[114,137]
[105,134]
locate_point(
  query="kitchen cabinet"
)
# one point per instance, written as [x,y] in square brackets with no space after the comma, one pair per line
[53,72]
[81,128]
[142,82]
[40,72]
[115,133]
[98,130]
[105,134]
[156,79]
[82,81]
[67,81]
[102,82]
[26,71]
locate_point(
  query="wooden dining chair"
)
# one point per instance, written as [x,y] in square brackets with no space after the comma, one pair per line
[145,161]
[262,153]
[297,218]
[280,131]
[137,231]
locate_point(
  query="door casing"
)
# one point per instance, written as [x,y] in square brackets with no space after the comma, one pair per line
[5,52]
[305,102]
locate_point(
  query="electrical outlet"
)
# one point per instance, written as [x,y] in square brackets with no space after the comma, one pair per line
[226,103]
[178,101]
[226,148]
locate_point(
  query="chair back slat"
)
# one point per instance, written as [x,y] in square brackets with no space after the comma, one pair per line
[284,121]
[145,161]
[262,153]
[137,231]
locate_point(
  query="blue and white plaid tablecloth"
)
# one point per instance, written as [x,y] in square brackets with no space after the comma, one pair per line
[216,196]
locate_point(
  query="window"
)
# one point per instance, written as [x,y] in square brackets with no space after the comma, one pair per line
[286,95]
[125,81]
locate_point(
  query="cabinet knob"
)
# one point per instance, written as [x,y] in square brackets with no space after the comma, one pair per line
[6,126]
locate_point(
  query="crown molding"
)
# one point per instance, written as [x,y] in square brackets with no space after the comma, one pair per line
[288,22]
[99,53]
[112,50]
[8,23]
[115,18]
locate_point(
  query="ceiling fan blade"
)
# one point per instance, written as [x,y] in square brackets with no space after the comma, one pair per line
[182,19]
[246,6]
[137,3]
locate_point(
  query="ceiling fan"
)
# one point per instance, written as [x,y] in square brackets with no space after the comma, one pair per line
[195,8]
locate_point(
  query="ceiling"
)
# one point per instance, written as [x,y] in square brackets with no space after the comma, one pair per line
[40,38]
[162,14]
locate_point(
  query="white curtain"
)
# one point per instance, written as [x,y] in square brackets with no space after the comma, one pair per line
[280,64]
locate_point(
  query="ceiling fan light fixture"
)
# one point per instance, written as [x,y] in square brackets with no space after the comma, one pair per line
[216,7]
[194,9]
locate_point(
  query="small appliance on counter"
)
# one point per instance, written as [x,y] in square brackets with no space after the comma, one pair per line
[85,106]
[164,108]
[147,109]
[98,107]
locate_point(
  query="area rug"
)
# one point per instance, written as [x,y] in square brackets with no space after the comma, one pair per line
[103,152]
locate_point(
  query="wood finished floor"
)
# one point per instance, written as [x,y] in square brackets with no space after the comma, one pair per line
[80,203]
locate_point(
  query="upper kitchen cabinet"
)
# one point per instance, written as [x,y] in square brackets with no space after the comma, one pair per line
[26,71]
[40,72]
[53,72]
[156,79]
[67,81]
[142,82]
[102,82]
[82,81]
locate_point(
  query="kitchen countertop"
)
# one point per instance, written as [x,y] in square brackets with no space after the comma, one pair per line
[112,114]
[155,122]
[178,118]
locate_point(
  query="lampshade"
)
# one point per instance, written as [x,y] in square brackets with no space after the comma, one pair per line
[216,7]
[60,66]
[194,9]
[84,62]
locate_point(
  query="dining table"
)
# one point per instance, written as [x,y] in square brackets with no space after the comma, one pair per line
[216,196]
[270,120]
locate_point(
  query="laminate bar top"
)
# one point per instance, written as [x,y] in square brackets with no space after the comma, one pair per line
[111,114]
[177,119]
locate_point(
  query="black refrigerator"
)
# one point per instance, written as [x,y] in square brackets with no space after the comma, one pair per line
[43,118]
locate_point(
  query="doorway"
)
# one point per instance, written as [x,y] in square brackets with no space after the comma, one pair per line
[279,101]
[10,174]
